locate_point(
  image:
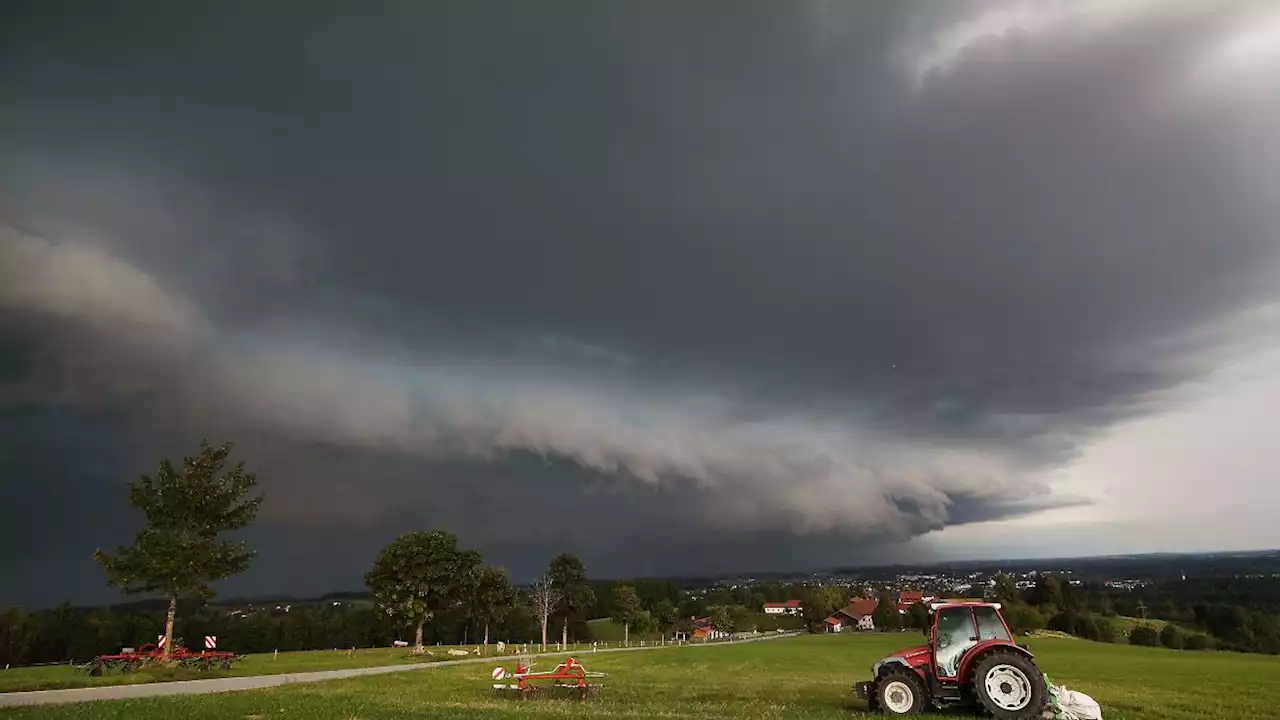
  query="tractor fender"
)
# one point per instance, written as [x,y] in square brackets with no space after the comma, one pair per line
[981,650]
[885,662]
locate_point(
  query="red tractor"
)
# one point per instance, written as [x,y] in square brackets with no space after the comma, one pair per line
[971,658]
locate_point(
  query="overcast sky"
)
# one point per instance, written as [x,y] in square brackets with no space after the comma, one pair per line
[678,287]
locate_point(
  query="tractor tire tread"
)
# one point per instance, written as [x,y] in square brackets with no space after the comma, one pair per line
[1039,691]
[921,695]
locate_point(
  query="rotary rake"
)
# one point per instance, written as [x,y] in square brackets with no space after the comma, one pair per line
[151,654]
[568,678]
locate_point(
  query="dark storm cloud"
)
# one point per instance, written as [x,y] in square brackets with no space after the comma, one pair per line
[737,275]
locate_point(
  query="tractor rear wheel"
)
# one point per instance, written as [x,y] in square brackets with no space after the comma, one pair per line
[899,691]
[1009,686]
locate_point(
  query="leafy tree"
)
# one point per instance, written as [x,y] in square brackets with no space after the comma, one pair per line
[886,616]
[576,597]
[693,607]
[1048,591]
[494,598]
[422,575]
[179,552]
[1070,597]
[644,622]
[820,602]
[918,616]
[721,619]
[1171,638]
[664,615]
[1144,635]
[1006,590]
[684,626]
[626,609]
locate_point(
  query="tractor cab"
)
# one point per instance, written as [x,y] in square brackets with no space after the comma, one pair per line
[970,655]
[957,629]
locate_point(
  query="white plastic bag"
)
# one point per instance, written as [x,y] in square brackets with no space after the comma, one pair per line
[1065,704]
[1078,706]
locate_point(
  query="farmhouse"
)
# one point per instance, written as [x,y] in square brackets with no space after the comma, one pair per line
[907,598]
[858,613]
[704,629]
[835,623]
[790,607]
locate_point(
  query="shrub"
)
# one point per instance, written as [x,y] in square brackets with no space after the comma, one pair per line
[1144,635]
[1107,630]
[1022,618]
[1085,627]
[1171,638]
[1198,641]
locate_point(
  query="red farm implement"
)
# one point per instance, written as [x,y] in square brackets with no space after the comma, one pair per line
[569,677]
[150,654]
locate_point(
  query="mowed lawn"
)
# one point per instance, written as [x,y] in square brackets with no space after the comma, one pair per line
[56,677]
[805,677]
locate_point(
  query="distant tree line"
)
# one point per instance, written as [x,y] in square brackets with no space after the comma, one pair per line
[1195,614]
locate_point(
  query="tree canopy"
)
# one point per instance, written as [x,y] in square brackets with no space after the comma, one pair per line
[569,577]
[494,598]
[421,575]
[886,615]
[626,608]
[179,553]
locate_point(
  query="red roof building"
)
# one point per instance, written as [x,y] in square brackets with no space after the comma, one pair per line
[859,607]
[790,607]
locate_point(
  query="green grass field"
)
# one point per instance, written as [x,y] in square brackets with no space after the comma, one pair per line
[806,677]
[58,677]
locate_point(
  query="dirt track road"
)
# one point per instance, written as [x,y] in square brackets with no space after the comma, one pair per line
[253,682]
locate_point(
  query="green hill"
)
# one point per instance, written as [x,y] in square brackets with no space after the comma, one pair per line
[805,677]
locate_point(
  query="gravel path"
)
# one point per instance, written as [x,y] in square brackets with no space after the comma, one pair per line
[253,682]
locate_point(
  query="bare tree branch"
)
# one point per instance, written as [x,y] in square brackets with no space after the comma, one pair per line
[546,598]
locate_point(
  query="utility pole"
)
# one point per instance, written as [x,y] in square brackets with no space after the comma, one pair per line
[1142,608]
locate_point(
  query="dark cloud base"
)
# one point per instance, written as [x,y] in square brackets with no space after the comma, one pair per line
[697,223]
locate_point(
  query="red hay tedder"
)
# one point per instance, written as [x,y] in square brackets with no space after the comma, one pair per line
[569,676]
[151,654]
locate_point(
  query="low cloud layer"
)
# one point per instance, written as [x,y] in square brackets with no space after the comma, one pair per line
[813,276]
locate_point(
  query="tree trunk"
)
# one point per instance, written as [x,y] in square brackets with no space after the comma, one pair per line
[168,629]
[626,634]
[544,634]
[564,634]
[417,639]
[486,638]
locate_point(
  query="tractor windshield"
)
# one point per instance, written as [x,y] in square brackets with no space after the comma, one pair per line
[990,626]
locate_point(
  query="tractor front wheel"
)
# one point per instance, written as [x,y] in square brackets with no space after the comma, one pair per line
[899,691]
[1009,686]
